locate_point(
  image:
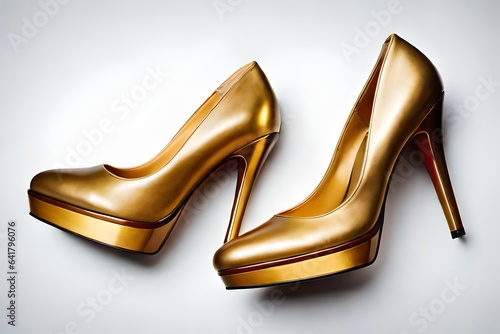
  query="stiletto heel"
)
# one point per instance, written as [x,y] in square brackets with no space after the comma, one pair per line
[338,227]
[250,160]
[136,208]
[429,140]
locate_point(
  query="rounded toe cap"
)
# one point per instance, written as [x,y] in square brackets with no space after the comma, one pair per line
[262,244]
[70,186]
[47,183]
[228,256]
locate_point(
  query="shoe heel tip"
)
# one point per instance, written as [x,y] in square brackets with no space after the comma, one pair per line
[458,233]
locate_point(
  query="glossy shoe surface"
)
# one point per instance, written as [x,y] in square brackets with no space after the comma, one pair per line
[136,208]
[338,227]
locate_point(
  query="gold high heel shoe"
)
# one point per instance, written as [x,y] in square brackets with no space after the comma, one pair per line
[337,228]
[136,208]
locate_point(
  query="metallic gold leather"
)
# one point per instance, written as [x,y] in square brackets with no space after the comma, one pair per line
[354,257]
[428,140]
[251,159]
[401,90]
[243,110]
[144,240]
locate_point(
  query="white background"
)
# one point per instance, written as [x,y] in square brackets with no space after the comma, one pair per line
[65,78]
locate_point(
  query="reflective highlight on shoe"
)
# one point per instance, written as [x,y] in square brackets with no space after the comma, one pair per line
[337,228]
[136,208]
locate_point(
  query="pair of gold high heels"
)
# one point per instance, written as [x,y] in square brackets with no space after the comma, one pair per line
[336,228]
